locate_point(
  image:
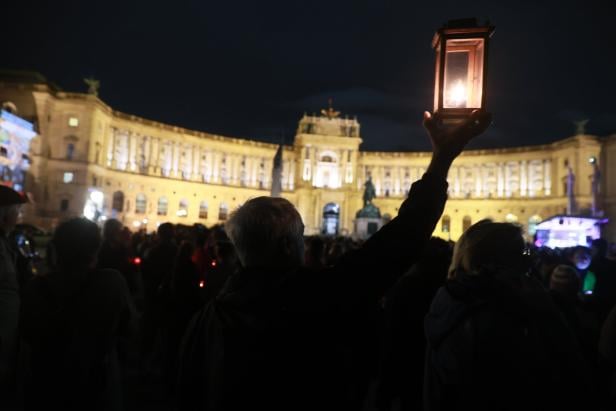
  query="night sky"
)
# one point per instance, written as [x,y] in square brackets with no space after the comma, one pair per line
[252,68]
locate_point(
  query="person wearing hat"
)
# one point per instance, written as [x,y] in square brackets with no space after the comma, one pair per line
[10,204]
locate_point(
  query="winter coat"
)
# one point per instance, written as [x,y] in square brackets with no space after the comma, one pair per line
[496,341]
[282,340]
[71,330]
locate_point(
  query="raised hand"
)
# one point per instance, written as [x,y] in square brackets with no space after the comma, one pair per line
[448,141]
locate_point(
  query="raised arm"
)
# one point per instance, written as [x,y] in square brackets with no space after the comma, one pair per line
[395,247]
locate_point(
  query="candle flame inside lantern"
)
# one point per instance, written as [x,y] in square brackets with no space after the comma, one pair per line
[457,94]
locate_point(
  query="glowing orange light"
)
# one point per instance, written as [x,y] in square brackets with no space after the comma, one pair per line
[201,284]
[457,95]
[213,263]
[137,260]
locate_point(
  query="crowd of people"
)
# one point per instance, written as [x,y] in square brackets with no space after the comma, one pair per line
[255,314]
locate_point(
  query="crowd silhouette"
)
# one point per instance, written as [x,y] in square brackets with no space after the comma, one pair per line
[254,314]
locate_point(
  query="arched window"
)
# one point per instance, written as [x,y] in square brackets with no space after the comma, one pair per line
[163,206]
[182,208]
[223,212]
[117,203]
[466,223]
[140,203]
[70,151]
[327,159]
[203,210]
[446,224]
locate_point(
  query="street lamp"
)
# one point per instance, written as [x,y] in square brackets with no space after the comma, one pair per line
[461,48]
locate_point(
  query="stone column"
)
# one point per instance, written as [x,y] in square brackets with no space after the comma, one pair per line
[547,177]
[478,181]
[500,184]
[216,167]
[155,156]
[132,151]
[523,179]
[313,164]
[456,181]
[111,160]
[196,155]
[146,152]
[175,159]
[187,165]
[291,179]
[237,169]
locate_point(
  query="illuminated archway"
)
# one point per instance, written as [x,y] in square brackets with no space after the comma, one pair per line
[331,219]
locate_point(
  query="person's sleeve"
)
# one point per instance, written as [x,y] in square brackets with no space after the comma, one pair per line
[199,379]
[366,273]
[127,324]
[607,341]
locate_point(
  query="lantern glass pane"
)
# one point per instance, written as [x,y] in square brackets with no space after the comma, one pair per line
[463,73]
[437,78]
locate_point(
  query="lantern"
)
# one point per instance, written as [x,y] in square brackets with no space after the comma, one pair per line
[461,48]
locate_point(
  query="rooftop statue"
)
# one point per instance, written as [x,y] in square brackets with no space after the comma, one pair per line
[93,85]
[580,127]
[330,112]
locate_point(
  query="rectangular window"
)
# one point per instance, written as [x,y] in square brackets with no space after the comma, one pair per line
[64,205]
[73,122]
[203,211]
[68,177]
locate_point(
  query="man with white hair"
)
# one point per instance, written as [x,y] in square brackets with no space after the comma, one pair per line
[10,203]
[278,336]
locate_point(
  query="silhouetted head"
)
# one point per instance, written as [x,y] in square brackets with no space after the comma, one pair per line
[10,204]
[488,247]
[185,252]
[267,232]
[166,232]
[75,244]
[112,230]
[315,251]
[581,257]
[599,248]
[564,280]
[201,234]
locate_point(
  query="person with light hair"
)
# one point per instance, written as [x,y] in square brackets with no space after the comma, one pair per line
[10,204]
[496,340]
[280,336]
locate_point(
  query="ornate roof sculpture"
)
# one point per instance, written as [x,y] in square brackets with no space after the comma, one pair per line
[329,123]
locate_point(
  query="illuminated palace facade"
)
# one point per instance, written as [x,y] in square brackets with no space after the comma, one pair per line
[90,159]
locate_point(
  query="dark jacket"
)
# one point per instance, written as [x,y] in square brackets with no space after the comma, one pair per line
[72,330]
[497,342]
[279,340]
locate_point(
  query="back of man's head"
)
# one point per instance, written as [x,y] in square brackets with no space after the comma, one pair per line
[564,280]
[166,232]
[112,229]
[267,232]
[76,243]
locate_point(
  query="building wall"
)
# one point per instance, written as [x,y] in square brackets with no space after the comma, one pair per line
[111,152]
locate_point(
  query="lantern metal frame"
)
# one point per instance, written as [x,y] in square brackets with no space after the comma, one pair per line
[442,43]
